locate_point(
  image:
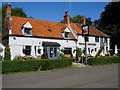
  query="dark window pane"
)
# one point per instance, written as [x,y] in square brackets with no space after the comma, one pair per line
[96,39]
[67,35]
[28,50]
[55,52]
[28,31]
[68,51]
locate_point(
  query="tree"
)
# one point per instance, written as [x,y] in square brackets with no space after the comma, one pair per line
[109,22]
[7,53]
[14,12]
[76,19]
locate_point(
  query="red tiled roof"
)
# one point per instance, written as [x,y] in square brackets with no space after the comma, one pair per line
[92,31]
[40,27]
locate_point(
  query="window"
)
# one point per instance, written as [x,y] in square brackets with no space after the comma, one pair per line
[28,31]
[101,40]
[105,40]
[67,34]
[51,52]
[55,51]
[87,39]
[27,50]
[35,50]
[68,51]
[95,49]
[89,50]
[96,39]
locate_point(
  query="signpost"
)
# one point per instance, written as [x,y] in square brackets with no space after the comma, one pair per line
[85,34]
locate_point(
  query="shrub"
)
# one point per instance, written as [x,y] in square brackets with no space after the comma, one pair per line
[42,56]
[62,55]
[108,54]
[1,49]
[103,60]
[29,58]
[34,65]
[7,53]
[17,58]
[78,53]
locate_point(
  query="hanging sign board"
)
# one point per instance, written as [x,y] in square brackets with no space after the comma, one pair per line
[85,30]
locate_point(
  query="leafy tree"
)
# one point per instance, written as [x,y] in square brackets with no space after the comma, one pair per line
[7,53]
[14,12]
[109,22]
[76,19]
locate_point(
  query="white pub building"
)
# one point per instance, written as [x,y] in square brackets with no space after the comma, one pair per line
[49,38]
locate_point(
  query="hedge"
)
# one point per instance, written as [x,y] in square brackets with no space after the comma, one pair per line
[103,60]
[34,65]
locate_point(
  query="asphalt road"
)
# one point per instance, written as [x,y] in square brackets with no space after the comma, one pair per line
[87,77]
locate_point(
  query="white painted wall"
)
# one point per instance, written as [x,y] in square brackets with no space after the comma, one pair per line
[16,45]
[92,41]
[2,53]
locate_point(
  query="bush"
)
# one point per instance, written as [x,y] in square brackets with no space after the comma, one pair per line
[34,65]
[103,60]
[30,58]
[17,58]
[78,53]
[7,53]
[42,56]
[62,55]
[108,54]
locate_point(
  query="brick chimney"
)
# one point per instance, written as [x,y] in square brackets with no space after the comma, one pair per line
[8,10]
[5,31]
[66,18]
[82,20]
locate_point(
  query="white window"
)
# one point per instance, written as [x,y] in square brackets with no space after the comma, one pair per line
[27,31]
[105,40]
[67,34]
[96,39]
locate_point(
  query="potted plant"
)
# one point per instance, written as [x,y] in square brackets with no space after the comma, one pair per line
[1,49]
[74,50]
[78,54]
[62,50]
[110,51]
[24,48]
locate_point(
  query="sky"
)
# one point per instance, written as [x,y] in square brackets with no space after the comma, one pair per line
[55,11]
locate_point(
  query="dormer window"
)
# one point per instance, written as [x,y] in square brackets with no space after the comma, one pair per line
[27,31]
[67,34]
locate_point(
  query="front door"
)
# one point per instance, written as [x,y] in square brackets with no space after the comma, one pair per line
[53,53]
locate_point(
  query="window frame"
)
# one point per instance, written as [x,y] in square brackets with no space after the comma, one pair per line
[26,31]
[97,39]
[68,33]
[28,50]
[105,40]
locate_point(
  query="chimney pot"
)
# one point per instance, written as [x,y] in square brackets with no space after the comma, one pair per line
[8,10]
[83,20]
[66,18]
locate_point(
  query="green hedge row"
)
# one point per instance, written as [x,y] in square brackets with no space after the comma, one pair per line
[34,65]
[103,60]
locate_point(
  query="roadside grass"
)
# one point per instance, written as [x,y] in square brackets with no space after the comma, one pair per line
[69,67]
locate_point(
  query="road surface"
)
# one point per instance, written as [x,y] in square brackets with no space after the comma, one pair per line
[87,77]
